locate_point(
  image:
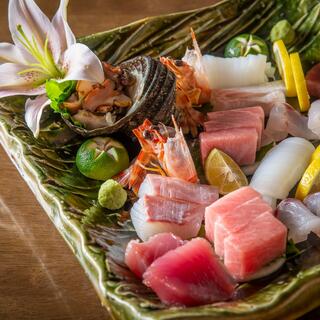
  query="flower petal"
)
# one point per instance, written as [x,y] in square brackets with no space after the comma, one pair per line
[34,109]
[10,53]
[33,21]
[60,24]
[80,63]
[12,83]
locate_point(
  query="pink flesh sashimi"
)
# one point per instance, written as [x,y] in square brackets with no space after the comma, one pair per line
[146,228]
[236,220]
[239,144]
[235,120]
[170,210]
[190,275]
[139,256]
[177,189]
[313,81]
[226,204]
[256,245]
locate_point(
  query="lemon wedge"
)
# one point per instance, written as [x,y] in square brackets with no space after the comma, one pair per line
[284,66]
[316,154]
[223,172]
[310,180]
[300,82]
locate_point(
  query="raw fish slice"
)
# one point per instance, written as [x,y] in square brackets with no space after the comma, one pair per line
[239,144]
[236,220]
[282,168]
[256,110]
[235,72]
[146,228]
[235,120]
[174,188]
[248,250]
[190,275]
[299,219]
[226,204]
[266,96]
[312,202]
[284,120]
[314,118]
[169,210]
[313,81]
[139,256]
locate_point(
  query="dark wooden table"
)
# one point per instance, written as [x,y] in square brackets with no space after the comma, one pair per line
[40,279]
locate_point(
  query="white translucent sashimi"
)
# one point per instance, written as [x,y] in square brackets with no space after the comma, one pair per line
[282,167]
[145,228]
[314,117]
[235,72]
[312,201]
[299,219]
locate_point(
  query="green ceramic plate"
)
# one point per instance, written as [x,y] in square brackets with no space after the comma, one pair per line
[47,165]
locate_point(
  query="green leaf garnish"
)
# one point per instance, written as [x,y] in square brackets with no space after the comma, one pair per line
[58,92]
[292,250]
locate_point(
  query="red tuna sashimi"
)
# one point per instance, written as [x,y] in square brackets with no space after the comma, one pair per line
[174,188]
[247,251]
[139,256]
[190,275]
[226,204]
[313,81]
[235,120]
[236,220]
[170,210]
[257,110]
[239,144]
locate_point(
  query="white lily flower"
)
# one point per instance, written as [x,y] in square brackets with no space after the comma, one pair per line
[42,50]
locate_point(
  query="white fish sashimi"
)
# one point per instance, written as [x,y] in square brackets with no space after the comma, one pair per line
[284,120]
[146,228]
[299,219]
[235,72]
[312,202]
[265,95]
[282,167]
[314,118]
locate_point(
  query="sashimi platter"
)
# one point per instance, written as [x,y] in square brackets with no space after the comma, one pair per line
[178,156]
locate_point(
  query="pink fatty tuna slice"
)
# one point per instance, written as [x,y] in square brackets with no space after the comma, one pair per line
[220,121]
[226,204]
[260,242]
[236,220]
[190,275]
[151,215]
[239,144]
[139,256]
[177,189]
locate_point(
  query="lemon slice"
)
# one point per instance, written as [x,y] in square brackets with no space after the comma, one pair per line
[284,66]
[310,180]
[223,172]
[300,82]
[316,154]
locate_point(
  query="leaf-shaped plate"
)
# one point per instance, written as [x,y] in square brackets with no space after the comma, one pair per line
[47,165]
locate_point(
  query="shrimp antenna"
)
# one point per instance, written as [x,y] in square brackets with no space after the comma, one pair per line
[176,127]
[195,43]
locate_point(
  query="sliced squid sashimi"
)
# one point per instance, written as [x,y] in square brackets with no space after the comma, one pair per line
[299,219]
[266,96]
[145,227]
[282,167]
[139,256]
[253,247]
[235,72]
[190,275]
[314,118]
[313,81]
[284,120]
[312,202]
[174,188]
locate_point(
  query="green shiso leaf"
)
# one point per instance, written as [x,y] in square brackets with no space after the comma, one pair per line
[58,92]
[96,215]
[292,250]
